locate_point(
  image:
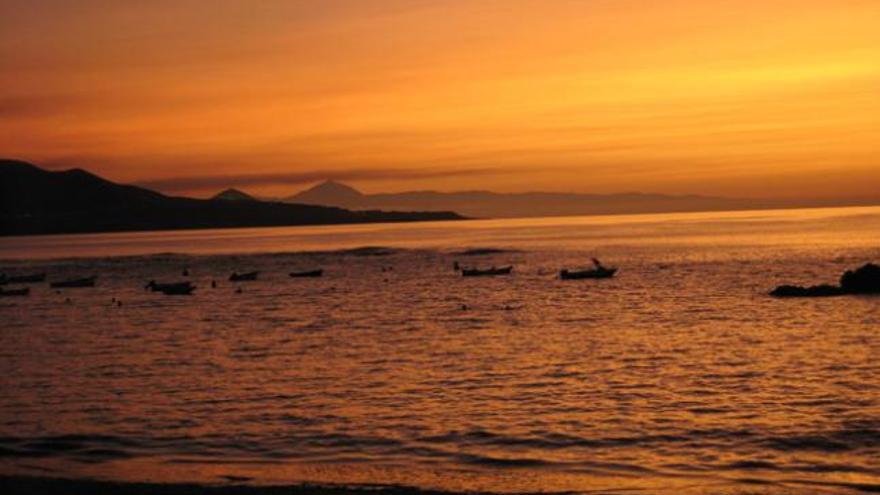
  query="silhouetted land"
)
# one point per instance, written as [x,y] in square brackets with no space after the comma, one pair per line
[488,204]
[36,201]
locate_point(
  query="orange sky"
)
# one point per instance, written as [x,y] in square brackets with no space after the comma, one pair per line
[768,98]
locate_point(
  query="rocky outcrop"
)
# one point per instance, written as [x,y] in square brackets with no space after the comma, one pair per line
[864,280]
[824,290]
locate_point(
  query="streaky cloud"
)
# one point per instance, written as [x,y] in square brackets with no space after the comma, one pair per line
[205,182]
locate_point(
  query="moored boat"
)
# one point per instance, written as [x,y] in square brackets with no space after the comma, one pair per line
[489,272]
[22,279]
[76,282]
[311,273]
[242,277]
[162,287]
[14,292]
[598,271]
[177,290]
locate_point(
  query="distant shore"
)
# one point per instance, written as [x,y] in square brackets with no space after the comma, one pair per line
[34,201]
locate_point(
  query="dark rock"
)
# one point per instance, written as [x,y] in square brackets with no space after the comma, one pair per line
[824,290]
[864,280]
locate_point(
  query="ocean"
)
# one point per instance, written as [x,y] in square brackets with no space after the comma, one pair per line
[679,375]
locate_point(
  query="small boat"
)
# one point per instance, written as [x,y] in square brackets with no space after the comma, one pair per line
[175,286]
[177,289]
[598,271]
[14,292]
[242,277]
[76,282]
[489,272]
[22,279]
[311,273]
[601,272]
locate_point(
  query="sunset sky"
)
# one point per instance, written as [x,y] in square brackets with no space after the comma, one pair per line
[747,98]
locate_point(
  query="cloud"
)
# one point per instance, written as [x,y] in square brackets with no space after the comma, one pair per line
[208,182]
[23,106]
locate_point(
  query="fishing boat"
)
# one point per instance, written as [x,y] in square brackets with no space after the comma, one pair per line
[311,273]
[162,287]
[177,289]
[22,279]
[14,292]
[598,271]
[76,282]
[489,272]
[243,277]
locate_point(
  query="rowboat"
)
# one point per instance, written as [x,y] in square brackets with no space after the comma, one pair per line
[177,290]
[489,272]
[76,282]
[22,279]
[311,273]
[242,277]
[14,292]
[163,287]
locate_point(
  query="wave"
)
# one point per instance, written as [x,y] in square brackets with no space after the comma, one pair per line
[20,485]
[852,436]
[84,448]
[552,441]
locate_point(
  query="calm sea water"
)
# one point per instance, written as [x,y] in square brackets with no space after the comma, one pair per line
[678,376]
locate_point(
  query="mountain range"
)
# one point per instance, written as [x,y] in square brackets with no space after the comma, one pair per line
[486,204]
[37,201]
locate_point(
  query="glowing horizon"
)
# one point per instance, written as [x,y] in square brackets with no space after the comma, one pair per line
[745,99]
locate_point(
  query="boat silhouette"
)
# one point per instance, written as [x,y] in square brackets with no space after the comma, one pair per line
[488,272]
[306,274]
[167,288]
[14,292]
[177,289]
[76,282]
[22,279]
[242,277]
[598,271]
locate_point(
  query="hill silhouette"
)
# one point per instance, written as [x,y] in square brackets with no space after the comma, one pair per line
[36,201]
[233,194]
[330,193]
[529,204]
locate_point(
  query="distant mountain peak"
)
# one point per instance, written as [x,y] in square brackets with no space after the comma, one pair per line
[334,187]
[329,192]
[233,194]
